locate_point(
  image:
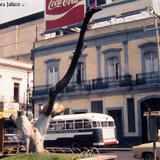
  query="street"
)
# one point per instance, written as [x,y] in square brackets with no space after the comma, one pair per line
[122,155]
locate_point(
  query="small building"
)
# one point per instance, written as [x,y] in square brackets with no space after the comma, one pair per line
[18,36]
[16,81]
[9,133]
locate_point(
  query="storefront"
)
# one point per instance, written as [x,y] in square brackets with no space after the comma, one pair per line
[9,133]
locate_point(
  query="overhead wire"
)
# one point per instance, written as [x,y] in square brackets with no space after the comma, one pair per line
[116,30]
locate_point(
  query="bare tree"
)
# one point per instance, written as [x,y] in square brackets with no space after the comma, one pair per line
[34,132]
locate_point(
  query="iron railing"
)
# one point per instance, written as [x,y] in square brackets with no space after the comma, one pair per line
[89,85]
[111,82]
[143,79]
[148,78]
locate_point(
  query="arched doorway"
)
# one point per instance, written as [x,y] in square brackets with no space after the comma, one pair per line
[154,105]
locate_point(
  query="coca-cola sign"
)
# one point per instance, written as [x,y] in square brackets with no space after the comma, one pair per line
[60,13]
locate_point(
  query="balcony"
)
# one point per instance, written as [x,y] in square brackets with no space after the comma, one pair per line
[150,78]
[81,86]
[143,81]
[111,82]
[41,90]
[147,81]
[87,87]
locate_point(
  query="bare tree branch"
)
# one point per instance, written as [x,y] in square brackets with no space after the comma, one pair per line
[67,77]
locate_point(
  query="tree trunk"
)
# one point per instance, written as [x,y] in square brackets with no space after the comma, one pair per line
[34,133]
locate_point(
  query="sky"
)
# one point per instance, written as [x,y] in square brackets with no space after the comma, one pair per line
[24,7]
[9,12]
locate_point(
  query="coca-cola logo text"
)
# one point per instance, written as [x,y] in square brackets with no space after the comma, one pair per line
[61,3]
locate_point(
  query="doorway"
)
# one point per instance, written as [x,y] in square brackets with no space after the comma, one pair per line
[154,105]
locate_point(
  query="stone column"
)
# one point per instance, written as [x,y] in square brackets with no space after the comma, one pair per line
[99,74]
[125,45]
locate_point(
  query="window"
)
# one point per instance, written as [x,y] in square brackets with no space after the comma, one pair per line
[113,67]
[79,72]
[112,62]
[53,75]
[66,111]
[61,125]
[96,124]
[101,2]
[16,92]
[78,124]
[110,124]
[97,106]
[53,126]
[150,62]
[69,125]
[149,58]
[131,114]
[104,124]
[52,71]
[87,124]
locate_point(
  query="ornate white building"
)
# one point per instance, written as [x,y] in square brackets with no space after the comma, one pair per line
[15,78]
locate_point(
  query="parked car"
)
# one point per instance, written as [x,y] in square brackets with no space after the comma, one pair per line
[145,151]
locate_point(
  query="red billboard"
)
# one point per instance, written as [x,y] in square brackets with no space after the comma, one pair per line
[61,13]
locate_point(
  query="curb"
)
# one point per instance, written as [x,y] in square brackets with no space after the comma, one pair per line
[115,149]
[107,157]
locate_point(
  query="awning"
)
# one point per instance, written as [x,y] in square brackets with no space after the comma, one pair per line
[7,113]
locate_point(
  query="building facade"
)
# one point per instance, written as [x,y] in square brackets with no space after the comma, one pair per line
[18,36]
[16,78]
[17,39]
[117,74]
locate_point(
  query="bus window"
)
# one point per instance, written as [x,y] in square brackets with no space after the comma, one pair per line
[69,124]
[110,124]
[53,126]
[96,124]
[87,124]
[61,125]
[104,124]
[78,124]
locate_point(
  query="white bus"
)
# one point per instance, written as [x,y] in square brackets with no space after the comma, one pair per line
[81,130]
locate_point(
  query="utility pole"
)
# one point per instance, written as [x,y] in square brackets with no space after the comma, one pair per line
[27,100]
[156,17]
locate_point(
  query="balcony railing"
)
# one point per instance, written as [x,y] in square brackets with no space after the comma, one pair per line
[81,86]
[115,83]
[100,83]
[111,82]
[149,78]
[41,90]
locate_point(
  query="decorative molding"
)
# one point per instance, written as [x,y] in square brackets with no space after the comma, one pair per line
[17,78]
